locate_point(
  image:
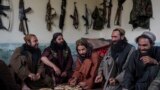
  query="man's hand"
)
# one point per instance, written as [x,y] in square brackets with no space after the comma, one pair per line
[112,81]
[32,76]
[38,76]
[148,60]
[73,82]
[98,79]
[83,85]
[64,74]
[57,70]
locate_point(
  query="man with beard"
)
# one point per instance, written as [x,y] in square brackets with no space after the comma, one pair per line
[26,67]
[86,65]
[113,65]
[58,59]
[143,63]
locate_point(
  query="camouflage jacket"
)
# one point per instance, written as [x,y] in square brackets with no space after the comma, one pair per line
[141,13]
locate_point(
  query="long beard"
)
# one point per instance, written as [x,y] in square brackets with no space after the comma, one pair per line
[87,55]
[119,46]
[146,53]
[57,47]
[36,53]
[60,46]
[30,48]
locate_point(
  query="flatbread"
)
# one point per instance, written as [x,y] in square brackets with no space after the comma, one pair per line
[45,89]
[67,87]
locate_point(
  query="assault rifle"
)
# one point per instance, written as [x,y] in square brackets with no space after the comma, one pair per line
[2,13]
[119,11]
[109,2]
[49,16]
[107,7]
[86,19]
[104,11]
[23,26]
[75,17]
[63,13]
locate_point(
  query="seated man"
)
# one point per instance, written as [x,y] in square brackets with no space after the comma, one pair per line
[7,82]
[58,59]
[143,63]
[113,65]
[86,65]
[26,67]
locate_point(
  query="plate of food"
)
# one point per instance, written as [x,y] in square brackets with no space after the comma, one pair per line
[67,87]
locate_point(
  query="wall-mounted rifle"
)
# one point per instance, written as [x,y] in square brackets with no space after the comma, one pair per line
[4,8]
[86,19]
[106,11]
[63,13]
[117,20]
[109,5]
[50,15]
[23,26]
[75,17]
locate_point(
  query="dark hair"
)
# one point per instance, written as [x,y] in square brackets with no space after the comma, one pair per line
[54,45]
[88,46]
[83,42]
[146,37]
[55,35]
